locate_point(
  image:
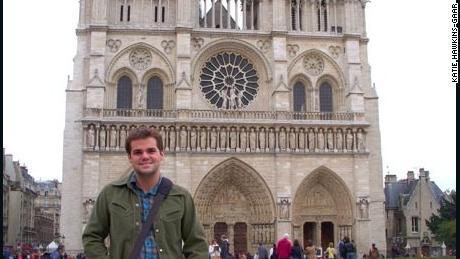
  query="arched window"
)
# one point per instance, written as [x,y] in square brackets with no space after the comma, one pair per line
[322,15]
[299,97]
[124,93]
[325,97]
[155,93]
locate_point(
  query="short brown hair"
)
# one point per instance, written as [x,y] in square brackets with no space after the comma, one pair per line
[143,133]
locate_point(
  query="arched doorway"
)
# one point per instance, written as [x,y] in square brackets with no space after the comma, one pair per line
[235,194]
[322,208]
[220,228]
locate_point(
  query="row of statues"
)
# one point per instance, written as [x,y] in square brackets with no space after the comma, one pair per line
[238,139]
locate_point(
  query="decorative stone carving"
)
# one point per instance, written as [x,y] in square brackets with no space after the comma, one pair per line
[282,139]
[314,64]
[90,137]
[262,138]
[140,58]
[360,139]
[339,140]
[183,138]
[252,140]
[349,140]
[330,140]
[311,140]
[193,139]
[233,138]
[163,137]
[168,45]
[113,137]
[223,138]
[301,137]
[102,138]
[334,51]
[320,140]
[140,96]
[88,208]
[122,136]
[264,45]
[292,49]
[243,139]
[292,139]
[172,138]
[113,45]
[213,138]
[271,139]
[197,42]
[283,208]
[363,205]
[203,138]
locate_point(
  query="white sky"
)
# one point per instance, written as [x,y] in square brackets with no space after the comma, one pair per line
[409,51]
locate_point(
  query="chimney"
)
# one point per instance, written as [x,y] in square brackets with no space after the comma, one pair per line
[423,173]
[390,178]
[410,176]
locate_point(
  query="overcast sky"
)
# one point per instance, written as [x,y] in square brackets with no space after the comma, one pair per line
[409,51]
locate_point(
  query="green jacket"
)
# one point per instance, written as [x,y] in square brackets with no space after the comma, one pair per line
[117,213]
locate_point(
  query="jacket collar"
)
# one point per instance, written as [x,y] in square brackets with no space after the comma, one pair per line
[125,180]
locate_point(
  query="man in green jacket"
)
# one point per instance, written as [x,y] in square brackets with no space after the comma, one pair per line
[123,206]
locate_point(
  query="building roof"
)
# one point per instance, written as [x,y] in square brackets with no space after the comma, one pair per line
[405,189]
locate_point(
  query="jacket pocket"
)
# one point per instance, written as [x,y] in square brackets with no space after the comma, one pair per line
[171,215]
[121,220]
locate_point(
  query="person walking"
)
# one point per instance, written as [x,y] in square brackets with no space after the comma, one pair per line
[58,253]
[296,250]
[341,246]
[350,249]
[330,251]
[224,248]
[123,210]
[273,254]
[262,251]
[310,250]
[283,247]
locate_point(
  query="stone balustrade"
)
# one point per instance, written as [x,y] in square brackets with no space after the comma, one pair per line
[149,115]
[200,137]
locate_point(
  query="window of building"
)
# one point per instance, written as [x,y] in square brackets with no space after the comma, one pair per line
[414,224]
[156,14]
[322,15]
[121,13]
[299,97]
[325,97]
[155,93]
[124,93]
[129,13]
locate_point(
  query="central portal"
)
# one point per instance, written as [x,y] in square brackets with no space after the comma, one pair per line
[233,199]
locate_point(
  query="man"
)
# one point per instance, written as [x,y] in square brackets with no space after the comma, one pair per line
[262,251]
[341,246]
[224,247]
[123,206]
[58,253]
[283,248]
[373,252]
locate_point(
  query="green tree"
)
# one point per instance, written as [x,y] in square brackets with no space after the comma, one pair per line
[444,224]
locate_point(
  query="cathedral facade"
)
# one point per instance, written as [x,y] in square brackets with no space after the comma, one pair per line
[266,109]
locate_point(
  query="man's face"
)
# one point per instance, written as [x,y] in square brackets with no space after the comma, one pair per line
[145,157]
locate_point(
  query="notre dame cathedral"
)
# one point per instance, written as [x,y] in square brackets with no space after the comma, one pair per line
[266,109]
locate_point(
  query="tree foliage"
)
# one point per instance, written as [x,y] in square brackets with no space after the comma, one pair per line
[444,224]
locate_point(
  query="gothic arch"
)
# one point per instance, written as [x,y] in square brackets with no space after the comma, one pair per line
[323,194]
[124,71]
[156,72]
[308,90]
[115,60]
[341,82]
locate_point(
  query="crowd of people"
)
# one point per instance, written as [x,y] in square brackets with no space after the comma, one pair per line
[58,253]
[287,249]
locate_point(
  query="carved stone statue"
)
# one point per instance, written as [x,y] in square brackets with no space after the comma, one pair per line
[243,141]
[113,137]
[233,139]
[284,209]
[292,138]
[311,140]
[271,139]
[364,208]
[193,138]
[301,139]
[213,138]
[252,140]
[223,138]
[203,138]
[349,140]
[88,208]
[321,139]
[102,138]
[262,138]
[122,136]
[90,138]
[163,136]
[183,138]
[140,96]
[282,139]
[330,139]
[339,140]
[172,138]
[360,139]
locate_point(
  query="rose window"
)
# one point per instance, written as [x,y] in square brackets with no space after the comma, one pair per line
[229,81]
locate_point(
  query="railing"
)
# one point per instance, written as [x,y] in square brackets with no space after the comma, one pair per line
[220,114]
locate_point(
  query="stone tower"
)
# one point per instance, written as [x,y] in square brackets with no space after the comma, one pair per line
[265,106]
